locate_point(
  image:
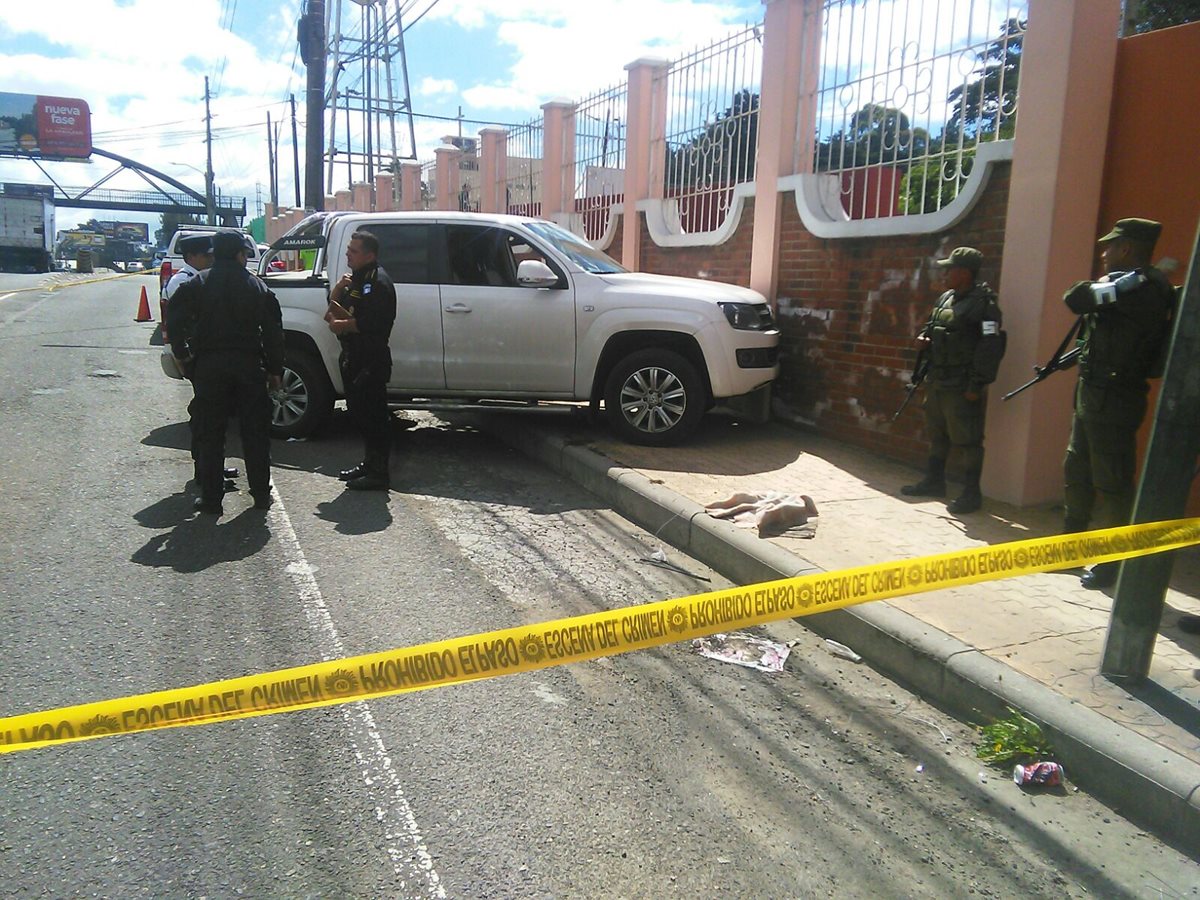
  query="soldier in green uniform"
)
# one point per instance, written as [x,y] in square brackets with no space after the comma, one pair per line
[1126,318]
[965,344]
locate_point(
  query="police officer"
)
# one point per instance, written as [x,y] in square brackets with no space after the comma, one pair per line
[197,257]
[229,324]
[965,344]
[1126,317]
[362,308]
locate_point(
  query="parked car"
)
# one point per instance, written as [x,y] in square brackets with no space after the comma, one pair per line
[134,265]
[506,308]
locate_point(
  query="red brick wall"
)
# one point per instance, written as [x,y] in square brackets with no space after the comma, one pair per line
[729,262]
[848,312]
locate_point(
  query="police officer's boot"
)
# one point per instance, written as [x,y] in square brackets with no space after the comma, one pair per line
[354,472]
[970,499]
[1101,575]
[933,484]
[375,476]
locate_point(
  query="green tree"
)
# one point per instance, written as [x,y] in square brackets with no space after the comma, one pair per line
[1150,15]
[723,152]
[874,135]
[987,106]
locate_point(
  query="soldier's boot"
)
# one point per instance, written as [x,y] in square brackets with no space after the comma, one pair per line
[932,485]
[970,499]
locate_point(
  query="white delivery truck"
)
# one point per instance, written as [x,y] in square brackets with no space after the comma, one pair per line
[26,233]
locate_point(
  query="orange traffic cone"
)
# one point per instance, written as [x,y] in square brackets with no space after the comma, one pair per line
[143,313]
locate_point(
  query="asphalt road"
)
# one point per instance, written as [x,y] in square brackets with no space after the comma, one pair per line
[653,774]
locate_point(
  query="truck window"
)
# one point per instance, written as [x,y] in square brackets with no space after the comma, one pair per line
[489,256]
[404,251]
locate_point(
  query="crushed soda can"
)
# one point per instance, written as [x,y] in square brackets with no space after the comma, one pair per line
[1046,774]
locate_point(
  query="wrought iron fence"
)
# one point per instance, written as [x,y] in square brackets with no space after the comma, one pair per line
[428,184]
[600,157]
[908,91]
[523,183]
[712,127]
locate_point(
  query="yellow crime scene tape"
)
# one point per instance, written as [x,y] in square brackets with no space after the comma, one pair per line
[578,638]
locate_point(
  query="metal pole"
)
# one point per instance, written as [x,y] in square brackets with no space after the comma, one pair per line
[313,50]
[272,184]
[1166,482]
[295,151]
[209,211]
[332,99]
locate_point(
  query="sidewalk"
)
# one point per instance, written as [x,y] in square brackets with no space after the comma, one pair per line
[1032,642]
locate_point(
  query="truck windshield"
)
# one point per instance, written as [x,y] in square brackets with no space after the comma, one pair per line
[275,260]
[576,248]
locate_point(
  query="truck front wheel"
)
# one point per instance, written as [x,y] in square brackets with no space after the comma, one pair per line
[305,401]
[654,397]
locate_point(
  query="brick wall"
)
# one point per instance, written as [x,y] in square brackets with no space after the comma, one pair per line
[848,311]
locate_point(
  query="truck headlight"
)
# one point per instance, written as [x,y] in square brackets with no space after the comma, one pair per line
[748,316]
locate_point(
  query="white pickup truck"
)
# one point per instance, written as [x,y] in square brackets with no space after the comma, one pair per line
[494,308]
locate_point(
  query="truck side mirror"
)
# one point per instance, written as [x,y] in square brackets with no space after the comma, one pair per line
[536,274]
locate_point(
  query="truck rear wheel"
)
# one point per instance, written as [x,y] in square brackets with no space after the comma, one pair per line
[305,401]
[654,397]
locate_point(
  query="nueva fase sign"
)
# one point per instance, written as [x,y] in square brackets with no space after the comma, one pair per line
[49,127]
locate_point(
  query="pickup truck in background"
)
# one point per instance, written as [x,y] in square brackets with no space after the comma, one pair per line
[496,309]
[26,233]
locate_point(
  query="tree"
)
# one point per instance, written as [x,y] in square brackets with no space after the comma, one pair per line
[874,135]
[723,153]
[1150,15]
[987,106]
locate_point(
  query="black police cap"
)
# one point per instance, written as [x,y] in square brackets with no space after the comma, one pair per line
[228,244]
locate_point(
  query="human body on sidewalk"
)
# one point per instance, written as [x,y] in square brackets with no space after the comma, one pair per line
[965,344]
[1126,318]
[227,326]
[362,309]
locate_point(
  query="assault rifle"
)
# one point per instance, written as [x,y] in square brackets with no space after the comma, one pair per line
[1058,361]
[920,370]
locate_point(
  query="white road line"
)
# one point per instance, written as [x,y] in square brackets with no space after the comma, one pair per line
[383,784]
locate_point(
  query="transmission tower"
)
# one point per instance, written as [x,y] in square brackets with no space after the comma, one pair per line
[366,92]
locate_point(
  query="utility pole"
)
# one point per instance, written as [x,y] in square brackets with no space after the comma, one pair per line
[272,183]
[295,152]
[311,35]
[209,211]
[1166,482]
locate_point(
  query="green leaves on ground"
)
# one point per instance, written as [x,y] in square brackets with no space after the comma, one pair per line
[1013,739]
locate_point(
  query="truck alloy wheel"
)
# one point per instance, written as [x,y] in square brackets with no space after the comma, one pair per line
[304,400]
[654,397]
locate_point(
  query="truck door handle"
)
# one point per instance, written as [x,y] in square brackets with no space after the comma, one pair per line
[458,308]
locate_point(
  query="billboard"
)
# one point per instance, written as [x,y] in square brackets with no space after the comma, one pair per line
[126,231]
[52,127]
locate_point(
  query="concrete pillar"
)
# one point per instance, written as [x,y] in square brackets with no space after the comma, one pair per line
[410,185]
[791,66]
[384,187]
[447,177]
[558,146]
[1067,64]
[342,200]
[361,197]
[644,151]
[493,169]
[331,201]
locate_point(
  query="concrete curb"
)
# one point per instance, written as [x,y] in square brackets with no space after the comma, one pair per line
[1139,779]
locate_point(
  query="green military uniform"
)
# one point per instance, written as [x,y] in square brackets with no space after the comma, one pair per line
[1126,321]
[966,346]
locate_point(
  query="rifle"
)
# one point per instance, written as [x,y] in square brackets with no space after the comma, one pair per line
[1059,360]
[920,370]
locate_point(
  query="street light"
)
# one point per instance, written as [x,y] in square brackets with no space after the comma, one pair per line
[208,187]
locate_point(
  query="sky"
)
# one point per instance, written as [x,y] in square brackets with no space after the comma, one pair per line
[140,66]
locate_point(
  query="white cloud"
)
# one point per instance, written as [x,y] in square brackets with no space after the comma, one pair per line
[430,87]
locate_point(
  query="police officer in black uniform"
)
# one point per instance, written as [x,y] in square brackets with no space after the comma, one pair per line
[965,343]
[230,325]
[1126,319]
[362,308]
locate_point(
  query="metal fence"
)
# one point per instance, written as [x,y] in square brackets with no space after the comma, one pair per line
[908,91]
[523,183]
[600,157]
[712,127]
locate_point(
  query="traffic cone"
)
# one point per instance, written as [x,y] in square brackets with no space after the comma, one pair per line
[143,313]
